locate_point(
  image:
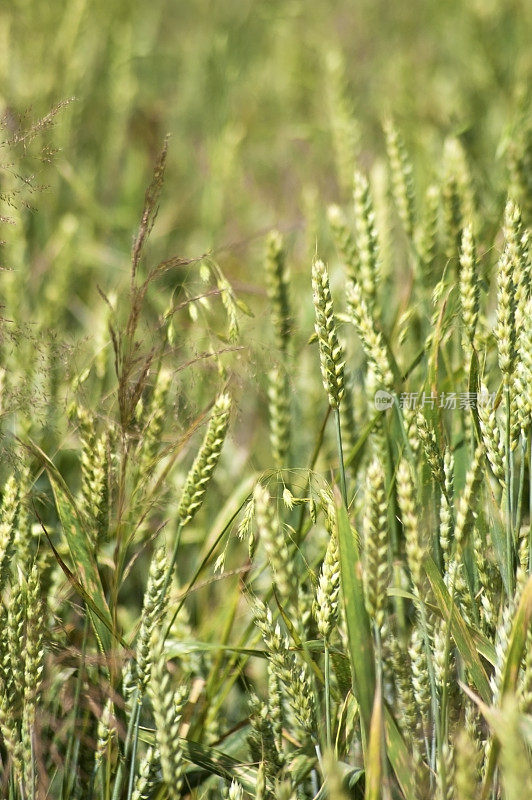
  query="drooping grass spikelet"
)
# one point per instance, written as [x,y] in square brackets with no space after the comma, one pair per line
[376,543]
[371,339]
[279,414]
[469,285]
[331,352]
[401,176]
[366,239]
[277,285]
[328,590]
[206,460]
[273,537]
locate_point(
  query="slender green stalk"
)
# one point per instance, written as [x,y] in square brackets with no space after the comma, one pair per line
[132,770]
[521,488]
[173,560]
[327,674]
[69,773]
[117,789]
[343,485]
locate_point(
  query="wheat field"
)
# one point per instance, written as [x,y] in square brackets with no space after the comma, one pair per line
[266,400]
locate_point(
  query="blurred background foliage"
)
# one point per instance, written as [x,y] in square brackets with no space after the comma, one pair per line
[267,104]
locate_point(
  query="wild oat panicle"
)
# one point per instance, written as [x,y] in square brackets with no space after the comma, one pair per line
[272,535]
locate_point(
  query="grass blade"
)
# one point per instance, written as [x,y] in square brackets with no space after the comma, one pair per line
[358,627]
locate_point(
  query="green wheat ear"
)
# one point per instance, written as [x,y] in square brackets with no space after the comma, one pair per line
[206,460]
[331,352]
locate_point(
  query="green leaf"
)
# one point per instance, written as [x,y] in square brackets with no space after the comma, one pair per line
[520,629]
[358,626]
[399,756]
[355,454]
[84,575]
[374,755]
[210,761]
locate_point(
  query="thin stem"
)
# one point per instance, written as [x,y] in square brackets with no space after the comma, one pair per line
[343,485]
[432,681]
[134,749]
[327,671]
[130,728]
[522,468]
[68,773]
